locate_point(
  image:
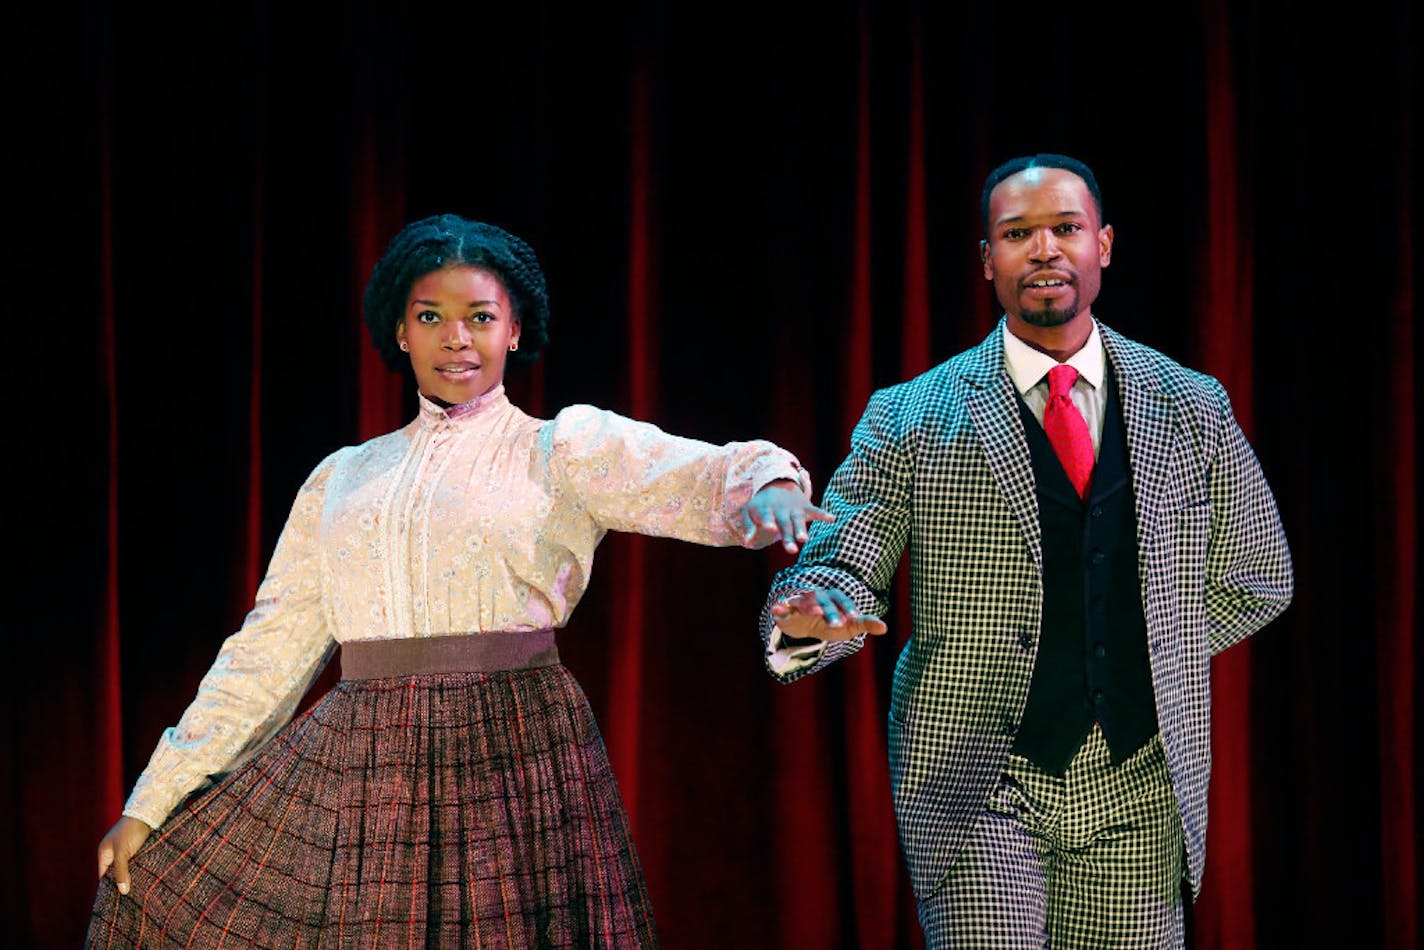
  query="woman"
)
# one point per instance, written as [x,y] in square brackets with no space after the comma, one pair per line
[452,789]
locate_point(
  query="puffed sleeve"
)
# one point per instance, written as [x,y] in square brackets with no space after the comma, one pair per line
[260,675]
[633,476]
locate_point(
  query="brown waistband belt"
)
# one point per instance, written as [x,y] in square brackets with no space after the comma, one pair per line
[457,653]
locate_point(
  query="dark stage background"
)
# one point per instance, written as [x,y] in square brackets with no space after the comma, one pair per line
[750,216]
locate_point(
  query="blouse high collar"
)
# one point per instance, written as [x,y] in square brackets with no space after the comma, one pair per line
[433,415]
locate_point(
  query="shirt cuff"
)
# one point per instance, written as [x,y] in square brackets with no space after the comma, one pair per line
[786,654]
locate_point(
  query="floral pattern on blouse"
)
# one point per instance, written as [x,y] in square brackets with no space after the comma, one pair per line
[473,518]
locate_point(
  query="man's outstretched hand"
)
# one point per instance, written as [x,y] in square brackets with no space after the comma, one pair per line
[823,614]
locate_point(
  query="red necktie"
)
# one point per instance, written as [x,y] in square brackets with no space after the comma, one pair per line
[1066,429]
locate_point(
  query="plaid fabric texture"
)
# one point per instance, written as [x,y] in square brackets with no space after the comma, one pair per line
[1089,860]
[442,810]
[940,463]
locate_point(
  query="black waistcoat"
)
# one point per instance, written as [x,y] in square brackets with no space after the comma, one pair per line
[1092,660]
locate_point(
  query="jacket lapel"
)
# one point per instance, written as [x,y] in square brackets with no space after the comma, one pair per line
[1149,417]
[995,416]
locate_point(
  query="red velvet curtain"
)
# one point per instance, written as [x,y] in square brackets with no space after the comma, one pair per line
[749,221]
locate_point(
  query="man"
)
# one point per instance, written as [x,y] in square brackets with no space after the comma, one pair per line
[1082,541]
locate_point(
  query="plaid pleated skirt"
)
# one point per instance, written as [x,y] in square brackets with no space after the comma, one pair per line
[451,809]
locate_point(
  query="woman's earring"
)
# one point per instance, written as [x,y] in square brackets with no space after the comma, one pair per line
[404,345]
[514,346]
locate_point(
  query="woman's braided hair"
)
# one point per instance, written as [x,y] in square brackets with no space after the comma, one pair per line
[448,240]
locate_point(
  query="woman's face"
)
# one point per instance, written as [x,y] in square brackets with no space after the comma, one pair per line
[459,327]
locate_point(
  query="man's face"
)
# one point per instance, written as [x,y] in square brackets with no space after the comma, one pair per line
[1046,247]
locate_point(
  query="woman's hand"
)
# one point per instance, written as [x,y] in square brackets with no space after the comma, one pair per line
[825,614]
[780,512]
[116,847]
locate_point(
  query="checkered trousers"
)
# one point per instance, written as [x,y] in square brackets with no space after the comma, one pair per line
[1091,859]
[941,463]
[443,810]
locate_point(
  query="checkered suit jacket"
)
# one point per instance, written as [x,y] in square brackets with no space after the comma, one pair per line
[941,462]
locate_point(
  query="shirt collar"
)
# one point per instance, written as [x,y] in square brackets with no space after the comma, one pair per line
[1027,367]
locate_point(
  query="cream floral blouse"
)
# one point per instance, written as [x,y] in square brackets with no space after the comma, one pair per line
[473,518]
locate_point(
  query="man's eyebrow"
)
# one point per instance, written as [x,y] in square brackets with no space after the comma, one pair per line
[1055,214]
